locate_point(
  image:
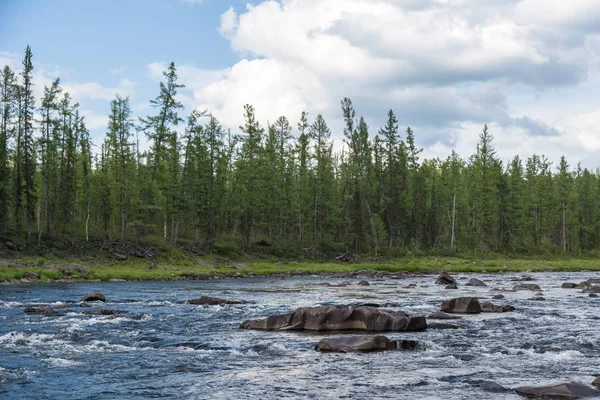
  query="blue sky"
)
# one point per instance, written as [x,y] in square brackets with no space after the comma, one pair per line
[445,68]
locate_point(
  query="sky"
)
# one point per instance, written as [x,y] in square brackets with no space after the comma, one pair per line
[530,69]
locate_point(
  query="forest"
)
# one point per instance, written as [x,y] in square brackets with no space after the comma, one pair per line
[185,180]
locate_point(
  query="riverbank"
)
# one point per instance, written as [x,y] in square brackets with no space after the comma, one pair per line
[42,269]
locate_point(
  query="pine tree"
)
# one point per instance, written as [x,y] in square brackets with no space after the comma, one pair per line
[7,104]
[28,151]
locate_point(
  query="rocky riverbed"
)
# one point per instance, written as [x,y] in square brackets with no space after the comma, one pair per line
[178,340]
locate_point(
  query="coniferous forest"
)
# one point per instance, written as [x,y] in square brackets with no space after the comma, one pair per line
[185,180]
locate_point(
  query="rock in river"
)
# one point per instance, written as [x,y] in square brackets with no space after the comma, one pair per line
[445,279]
[462,305]
[332,318]
[475,282]
[94,296]
[592,289]
[41,310]
[364,343]
[526,286]
[212,301]
[442,315]
[470,305]
[568,285]
[568,390]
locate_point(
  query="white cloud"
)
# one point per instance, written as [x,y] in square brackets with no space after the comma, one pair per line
[192,1]
[117,70]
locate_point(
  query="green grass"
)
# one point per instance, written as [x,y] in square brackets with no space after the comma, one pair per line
[174,267]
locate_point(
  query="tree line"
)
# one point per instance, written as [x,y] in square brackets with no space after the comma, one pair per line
[279,185]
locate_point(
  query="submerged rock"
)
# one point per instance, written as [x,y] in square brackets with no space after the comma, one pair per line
[568,285]
[538,298]
[527,286]
[364,343]
[40,310]
[592,289]
[331,318]
[593,295]
[442,315]
[94,296]
[490,386]
[568,390]
[105,312]
[445,279]
[364,283]
[209,300]
[475,282]
[452,286]
[441,325]
[489,307]
[498,296]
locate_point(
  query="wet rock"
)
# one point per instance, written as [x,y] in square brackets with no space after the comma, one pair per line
[596,382]
[462,305]
[441,325]
[327,318]
[592,289]
[343,284]
[583,285]
[498,296]
[594,281]
[452,286]
[209,300]
[105,312]
[568,390]
[442,315]
[411,285]
[490,386]
[364,283]
[568,285]
[538,298]
[475,282]
[364,343]
[593,295]
[489,307]
[445,279]
[527,286]
[94,296]
[11,246]
[40,310]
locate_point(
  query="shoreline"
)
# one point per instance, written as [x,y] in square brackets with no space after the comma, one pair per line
[32,271]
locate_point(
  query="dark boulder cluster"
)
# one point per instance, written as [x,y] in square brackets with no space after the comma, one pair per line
[363,343]
[471,305]
[340,318]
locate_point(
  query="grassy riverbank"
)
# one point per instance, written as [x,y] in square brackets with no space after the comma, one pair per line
[35,269]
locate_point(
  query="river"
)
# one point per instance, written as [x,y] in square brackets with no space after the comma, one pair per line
[141,353]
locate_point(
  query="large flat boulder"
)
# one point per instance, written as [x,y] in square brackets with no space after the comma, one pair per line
[212,301]
[363,343]
[334,318]
[568,390]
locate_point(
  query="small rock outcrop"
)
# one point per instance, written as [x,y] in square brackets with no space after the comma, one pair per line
[452,286]
[538,298]
[94,296]
[592,289]
[568,390]
[489,307]
[475,282]
[471,305]
[338,318]
[596,382]
[40,310]
[462,305]
[363,343]
[491,386]
[498,296]
[568,285]
[364,283]
[445,279]
[527,286]
[212,301]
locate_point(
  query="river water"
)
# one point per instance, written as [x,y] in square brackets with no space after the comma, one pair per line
[135,355]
